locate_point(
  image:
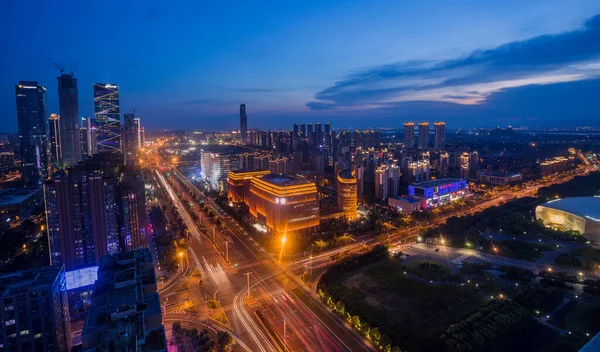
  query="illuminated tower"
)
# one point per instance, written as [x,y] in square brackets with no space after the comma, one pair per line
[108,117]
[347,194]
[243,124]
[54,137]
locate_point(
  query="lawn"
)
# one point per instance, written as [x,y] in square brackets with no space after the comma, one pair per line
[429,270]
[520,250]
[583,317]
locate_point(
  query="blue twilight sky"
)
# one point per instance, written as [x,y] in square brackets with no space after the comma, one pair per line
[189,64]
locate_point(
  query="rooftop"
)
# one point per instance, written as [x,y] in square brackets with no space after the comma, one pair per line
[437,183]
[586,207]
[347,174]
[24,281]
[284,180]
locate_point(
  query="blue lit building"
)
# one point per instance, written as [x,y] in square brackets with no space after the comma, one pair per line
[108,117]
[438,192]
[33,136]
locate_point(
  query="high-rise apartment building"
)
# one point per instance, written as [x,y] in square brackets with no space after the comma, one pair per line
[366,139]
[131,138]
[409,135]
[133,218]
[423,135]
[34,311]
[125,310]
[54,138]
[318,135]
[303,130]
[327,135]
[347,194]
[444,164]
[243,124]
[473,163]
[68,99]
[33,139]
[107,114]
[464,165]
[381,183]
[440,135]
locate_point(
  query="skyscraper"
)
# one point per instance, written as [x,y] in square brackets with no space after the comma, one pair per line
[303,130]
[327,133]
[381,183]
[409,135]
[296,128]
[31,119]
[464,165]
[243,124]
[68,99]
[108,117]
[54,137]
[131,138]
[89,141]
[440,135]
[215,168]
[423,135]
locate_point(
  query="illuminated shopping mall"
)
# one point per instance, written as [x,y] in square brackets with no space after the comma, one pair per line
[284,204]
[238,184]
[347,194]
[577,214]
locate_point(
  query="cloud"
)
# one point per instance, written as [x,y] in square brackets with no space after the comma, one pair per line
[547,59]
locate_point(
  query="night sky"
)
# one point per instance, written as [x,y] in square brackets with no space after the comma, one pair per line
[352,63]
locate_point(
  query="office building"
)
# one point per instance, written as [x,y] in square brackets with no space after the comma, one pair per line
[238,184]
[125,310]
[438,192]
[296,129]
[498,178]
[423,135]
[393,171]
[347,194]
[327,135]
[215,167]
[68,99]
[284,204]
[409,135]
[31,120]
[89,141]
[54,138]
[243,124]
[107,114]
[444,164]
[20,201]
[440,135]
[580,214]
[133,219]
[303,130]
[34,311]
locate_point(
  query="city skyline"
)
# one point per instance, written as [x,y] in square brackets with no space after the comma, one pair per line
[325,68]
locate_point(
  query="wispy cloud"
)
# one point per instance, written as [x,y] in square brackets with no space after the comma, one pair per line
[547,59]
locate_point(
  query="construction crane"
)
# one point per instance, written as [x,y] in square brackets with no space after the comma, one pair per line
[62,68]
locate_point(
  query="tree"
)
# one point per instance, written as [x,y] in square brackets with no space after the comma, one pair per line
[224,341]
[375,336]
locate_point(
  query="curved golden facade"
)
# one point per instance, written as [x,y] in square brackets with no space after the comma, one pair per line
[347,194]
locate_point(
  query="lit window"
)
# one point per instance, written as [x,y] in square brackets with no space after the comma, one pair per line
[10,322]
[37,336]
[24,332]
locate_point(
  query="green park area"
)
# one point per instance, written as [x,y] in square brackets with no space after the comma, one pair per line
[586,258]
[414,307]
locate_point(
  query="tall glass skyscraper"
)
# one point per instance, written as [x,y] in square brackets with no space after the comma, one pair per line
[54,138]
[108,117]
[68,99]
[243,124]
[31,118]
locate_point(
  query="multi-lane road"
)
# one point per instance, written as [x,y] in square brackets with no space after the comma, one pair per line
[276,312]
